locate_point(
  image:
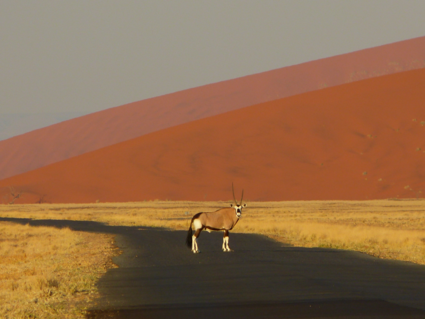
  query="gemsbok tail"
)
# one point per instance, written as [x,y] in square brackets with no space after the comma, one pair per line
[189,236]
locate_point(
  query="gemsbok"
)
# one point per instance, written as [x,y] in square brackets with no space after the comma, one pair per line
[223,219]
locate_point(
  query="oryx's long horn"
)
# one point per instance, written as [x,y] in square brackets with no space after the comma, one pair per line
[234,198]
[241,198]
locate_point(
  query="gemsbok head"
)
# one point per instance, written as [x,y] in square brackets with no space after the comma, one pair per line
[223,220]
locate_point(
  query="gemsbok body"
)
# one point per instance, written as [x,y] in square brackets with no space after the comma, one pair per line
[223,219]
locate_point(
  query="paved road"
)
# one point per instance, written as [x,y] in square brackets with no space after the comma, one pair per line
[159,277]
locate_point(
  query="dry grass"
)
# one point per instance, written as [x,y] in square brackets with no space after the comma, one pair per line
[47,272]
[386,229]
[392,229]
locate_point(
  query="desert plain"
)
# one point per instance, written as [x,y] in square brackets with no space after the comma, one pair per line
[386,229]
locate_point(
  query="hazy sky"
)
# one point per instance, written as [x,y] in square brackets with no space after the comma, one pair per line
[85,56]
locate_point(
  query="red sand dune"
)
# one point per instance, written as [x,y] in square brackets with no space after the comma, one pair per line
[78,136]
[362,140]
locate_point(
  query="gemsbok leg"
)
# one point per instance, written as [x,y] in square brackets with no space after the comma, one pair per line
[198,228]
[194,242]
[226,241]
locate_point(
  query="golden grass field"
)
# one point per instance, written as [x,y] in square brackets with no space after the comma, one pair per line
[47,272]
[393,229]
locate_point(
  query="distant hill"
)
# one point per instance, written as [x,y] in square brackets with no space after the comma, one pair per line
[362,140]
[94,131]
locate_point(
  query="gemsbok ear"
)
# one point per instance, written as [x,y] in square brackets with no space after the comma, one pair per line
[244,205]
[231,205]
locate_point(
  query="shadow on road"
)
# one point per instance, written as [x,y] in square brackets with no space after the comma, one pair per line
[159,277]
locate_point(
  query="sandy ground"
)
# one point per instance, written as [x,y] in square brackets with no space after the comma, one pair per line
[158,276]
